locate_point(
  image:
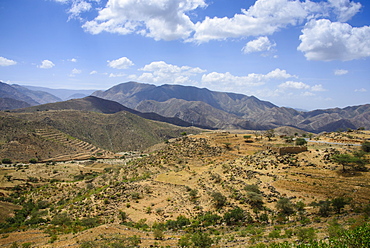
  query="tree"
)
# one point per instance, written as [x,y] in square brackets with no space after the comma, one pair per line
[285,206]
[366,146]
[236,216]
[339,203]
[218,199]
[347,160]
[270,133]
[300,142]
[201,239]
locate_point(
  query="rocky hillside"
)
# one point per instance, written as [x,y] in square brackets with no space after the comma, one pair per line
[228,110]
[123,131]
[99,105]
[22,94]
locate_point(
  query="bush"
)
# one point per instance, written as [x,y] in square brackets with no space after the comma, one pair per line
[306,234]
[236,216]
[218,199]
[201,239]
[300,142]
[33,161]
[6,161]
[61,219]
[284,206]
[365,146]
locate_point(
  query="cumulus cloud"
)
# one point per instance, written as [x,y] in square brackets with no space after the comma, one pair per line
[78,7]
[260,44]
[344,9]
[294,85]
[326,40]
[161,20]
[263,18]
[6,62]
[340,72]
[252,79]
[46,64]
[318,87]
[161,72]
[73,60]
[93,72]
[121,63]
[74,72]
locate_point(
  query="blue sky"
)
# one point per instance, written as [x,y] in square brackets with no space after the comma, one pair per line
[301,54]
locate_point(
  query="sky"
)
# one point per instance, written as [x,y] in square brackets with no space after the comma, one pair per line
[295,53]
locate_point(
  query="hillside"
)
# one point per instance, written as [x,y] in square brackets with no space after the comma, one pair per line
[10,103]
[208,190]
[118,132]
[99,105]
[229,110]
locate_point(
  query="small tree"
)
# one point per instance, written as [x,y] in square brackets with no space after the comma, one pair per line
[339,203]
[270,133]
[365,146]
[300,142]
[285,206]
[218,199]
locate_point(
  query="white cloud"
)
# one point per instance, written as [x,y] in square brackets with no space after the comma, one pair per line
[6,62]
[301,86]
[161,20]
[117,75]
[294,85]
[260,44]
[318,87]
[46,64]
[361,90]
[251,79]
[78,7]
[265,17]
[121,63]
[76,71]
[326,40]
[344,9]
[73,60]
[162,73]
[340,72]
[93,72]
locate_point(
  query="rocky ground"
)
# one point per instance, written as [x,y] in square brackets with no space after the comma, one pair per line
[126,200]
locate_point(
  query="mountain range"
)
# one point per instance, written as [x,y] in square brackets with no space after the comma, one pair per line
[190,106]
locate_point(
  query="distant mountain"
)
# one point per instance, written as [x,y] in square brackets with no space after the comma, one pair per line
[63,94]
[39,96]
[99,105]
[10,103]
[7,91]
[230,110]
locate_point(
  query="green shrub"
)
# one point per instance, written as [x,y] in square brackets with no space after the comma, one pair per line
[6,161]
[33,161]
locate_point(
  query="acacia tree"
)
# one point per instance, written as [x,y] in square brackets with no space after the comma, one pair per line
[270,133]
[347,160]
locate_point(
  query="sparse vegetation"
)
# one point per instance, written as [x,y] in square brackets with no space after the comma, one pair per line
[193,192]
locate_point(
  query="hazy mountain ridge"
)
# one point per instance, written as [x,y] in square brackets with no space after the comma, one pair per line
[189,105]
[229,110]
[7,91]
